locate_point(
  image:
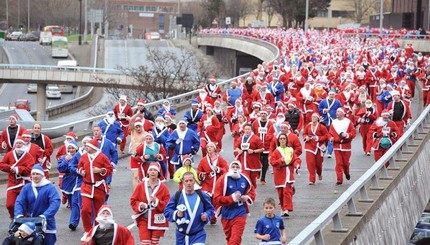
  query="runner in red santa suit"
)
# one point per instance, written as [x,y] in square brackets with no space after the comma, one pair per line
[210,169]
[360,98]
[261,128]
[342,132]
[264,96]
[405,92]
[306,98]
[247,151]
[17,164]
[400,112]
[208,128]
[108,231]
[94,167]
[213,90]
[315,137]
[203,99]
[221,115]
[384,133]
[35,151]
[425,81]
[234,112]
[148,202]
[11,133]
[256,108]
[284,163]
[123,113]
[237,130]
[234,192]
[365,118]
[249,92]
[149,152]
[293,140]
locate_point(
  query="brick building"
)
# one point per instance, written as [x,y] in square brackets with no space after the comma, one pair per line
[414,13]
[140,17]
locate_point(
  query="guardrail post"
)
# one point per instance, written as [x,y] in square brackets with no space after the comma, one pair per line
[319,239]
[400,157]
[364,197]
[337,223]
[393,165]
[375,184]
[352,209]
[384,174]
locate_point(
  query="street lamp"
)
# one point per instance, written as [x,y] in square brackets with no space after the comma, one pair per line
[80,23]
[28,15]
[306,16]
[381,17]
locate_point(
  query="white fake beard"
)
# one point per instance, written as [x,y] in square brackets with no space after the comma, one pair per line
[159,125]
[104,222]
[279,121]
[234,174]
[19,151]
[110,120]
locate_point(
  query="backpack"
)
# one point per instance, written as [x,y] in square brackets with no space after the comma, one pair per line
[199,193]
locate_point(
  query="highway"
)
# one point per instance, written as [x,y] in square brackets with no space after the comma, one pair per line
[33,54]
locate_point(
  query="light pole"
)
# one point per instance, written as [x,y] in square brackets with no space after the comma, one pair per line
[80,23]
[306,16]
[7,13]
[381,17]
[19,12]
[28,15]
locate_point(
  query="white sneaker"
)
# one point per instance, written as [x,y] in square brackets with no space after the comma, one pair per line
[84,237]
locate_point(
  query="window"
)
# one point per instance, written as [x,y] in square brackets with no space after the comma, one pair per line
[161,18]
[322,13]
[161,28]
[339,13]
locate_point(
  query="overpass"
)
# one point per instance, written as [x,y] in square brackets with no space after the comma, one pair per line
[379,196]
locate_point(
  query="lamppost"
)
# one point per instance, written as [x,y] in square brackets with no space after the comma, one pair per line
[306,16]
[28,15]
[80,23]
[381,17]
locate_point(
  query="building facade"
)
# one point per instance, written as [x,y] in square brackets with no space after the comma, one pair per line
[414,13]
[136,18]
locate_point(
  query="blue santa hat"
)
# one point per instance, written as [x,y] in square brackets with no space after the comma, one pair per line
[194,102]
[37,168]
[28,227]
[332,91]
[166,101]
[109,112]
[182,120]
[74,144]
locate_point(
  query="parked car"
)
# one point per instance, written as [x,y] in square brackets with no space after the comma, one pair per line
[152,36]
[424,221]
[53,92]
[32,88]
[15,35]
[419,234]
[22,104]
[30,37]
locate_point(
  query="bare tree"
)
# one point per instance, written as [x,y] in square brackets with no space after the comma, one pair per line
[165,74]
[239,9]
[363,8]
[270,12]
[258,9]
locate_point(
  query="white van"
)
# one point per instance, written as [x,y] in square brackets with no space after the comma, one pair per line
[67,65]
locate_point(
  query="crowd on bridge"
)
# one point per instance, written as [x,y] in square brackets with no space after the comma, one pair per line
[321,92]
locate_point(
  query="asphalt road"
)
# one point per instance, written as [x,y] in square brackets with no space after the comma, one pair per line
[33,54]
[309,201]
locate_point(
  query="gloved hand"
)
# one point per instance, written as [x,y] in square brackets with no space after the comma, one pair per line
[43,222]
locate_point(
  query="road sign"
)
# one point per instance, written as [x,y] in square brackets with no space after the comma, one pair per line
[214,22]
[2,37]
[95,15]
[227,20]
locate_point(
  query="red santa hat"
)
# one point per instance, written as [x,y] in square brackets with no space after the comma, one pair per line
[209,107]
[19,139]
[368,103]
[141,102]
[315,114]
[159,117]
[217,101]
[235,163]
[94,144]
[154,165]
[285,124]
[385,112]
[256,104]
[395,92]
[185,158]
[150,135]
[234,81]
[123,97]
[212,78]
[264,110]
[211,144]
[292,103]
[263,85]
[14,116]
[168,115]
[341,109]
[105,208]
[280,114]
[71,135]
[26,134]
[138,122]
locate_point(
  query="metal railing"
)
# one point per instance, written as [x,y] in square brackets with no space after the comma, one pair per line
[370,179]
[88,123]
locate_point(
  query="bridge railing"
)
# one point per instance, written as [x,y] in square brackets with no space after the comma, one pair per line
[88,123]
[358,190]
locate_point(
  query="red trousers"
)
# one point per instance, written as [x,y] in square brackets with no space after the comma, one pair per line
[342,164]
[365,140]
[426,97]
[379,153]
[400,124]
[90,204]
[124,140]
[146,234]
[233,229]
[170,167]
[11,196]
[253,176]
[285,195]
[314,164]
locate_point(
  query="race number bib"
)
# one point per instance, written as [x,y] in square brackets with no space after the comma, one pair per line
[121,115]
[159,219]
[262,130]
[244,146]
[386,130]
[207,123]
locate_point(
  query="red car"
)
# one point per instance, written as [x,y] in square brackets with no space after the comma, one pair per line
[22,104]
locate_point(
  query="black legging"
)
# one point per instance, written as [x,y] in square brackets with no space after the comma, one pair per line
[264,158]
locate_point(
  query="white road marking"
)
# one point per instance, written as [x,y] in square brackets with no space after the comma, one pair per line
[131,226]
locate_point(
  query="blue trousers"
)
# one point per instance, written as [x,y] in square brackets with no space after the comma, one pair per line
[50,239]
[76,205]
